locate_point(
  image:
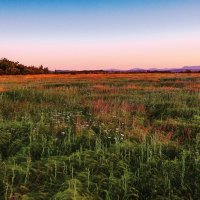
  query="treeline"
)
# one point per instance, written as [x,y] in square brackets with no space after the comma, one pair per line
[8,67]
[105,72]
[119,72]
[80,72]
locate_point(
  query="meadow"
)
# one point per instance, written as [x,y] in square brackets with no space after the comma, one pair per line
[100,136]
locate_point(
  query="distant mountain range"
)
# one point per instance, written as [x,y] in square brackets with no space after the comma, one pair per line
[182,69]
[133,70]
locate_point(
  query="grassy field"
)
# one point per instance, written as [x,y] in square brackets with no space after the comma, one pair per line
[117,136]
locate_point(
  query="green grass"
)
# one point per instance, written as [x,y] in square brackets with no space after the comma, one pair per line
[65,139]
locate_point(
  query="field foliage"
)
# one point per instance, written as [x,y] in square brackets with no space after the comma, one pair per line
[119,137]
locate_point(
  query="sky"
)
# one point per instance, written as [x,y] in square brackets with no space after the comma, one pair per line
[101,34]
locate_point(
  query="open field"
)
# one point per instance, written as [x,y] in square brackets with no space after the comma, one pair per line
[100,136]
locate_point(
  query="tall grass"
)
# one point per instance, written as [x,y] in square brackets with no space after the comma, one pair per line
[100,137]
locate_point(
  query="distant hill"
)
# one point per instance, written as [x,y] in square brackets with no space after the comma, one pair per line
[137,70]
[8,67]
[182,69]
[192,68]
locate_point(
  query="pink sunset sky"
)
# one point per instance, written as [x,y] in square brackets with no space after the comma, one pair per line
[103,37]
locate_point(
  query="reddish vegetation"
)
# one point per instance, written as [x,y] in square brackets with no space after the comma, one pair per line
[165,138]
[2,89]
[136,76]
[194,87]
[154,77]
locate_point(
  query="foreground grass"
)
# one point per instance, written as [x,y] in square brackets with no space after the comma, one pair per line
[133,136]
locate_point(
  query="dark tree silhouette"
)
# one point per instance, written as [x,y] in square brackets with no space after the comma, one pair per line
[8,67]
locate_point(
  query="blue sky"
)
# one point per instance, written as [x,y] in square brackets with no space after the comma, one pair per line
[88,34]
